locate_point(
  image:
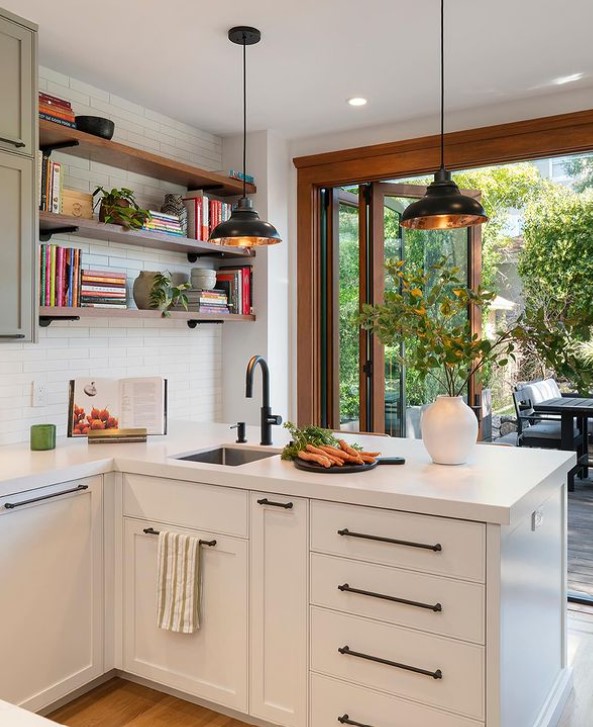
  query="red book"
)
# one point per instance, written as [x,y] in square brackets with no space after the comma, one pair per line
[48,275]
[57,111]
[59,276]
[102,274]
[246,290]
[49,100]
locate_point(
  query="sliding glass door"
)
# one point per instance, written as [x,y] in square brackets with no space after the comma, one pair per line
[371,390]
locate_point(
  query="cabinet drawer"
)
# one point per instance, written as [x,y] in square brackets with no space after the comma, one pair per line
[460,687]
[203,507]
[332,699]
[456,607]
[431,544]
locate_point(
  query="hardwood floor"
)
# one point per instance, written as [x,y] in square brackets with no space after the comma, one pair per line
[120,703]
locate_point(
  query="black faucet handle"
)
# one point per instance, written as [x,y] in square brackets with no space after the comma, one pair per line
[240,427]
[275,419]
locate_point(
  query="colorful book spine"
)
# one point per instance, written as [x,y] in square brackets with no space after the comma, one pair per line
[49,100]
[56,184]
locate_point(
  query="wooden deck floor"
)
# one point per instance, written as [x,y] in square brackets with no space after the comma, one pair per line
[580,538]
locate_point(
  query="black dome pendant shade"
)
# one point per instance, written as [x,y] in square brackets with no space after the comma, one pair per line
[443,207]
[244,227]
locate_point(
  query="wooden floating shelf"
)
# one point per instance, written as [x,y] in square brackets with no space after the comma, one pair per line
[139,161]
[133,314]
[49,221]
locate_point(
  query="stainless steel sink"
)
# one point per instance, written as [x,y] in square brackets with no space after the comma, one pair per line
[230,456]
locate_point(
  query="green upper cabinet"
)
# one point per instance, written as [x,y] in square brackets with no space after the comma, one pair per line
[17,80]
[18,203]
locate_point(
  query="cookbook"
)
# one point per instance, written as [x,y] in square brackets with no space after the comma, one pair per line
[111,404]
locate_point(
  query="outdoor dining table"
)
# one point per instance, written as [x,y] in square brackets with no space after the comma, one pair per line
[569,408]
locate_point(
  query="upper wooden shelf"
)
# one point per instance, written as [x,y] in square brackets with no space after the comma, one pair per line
[49,222]
[137,160]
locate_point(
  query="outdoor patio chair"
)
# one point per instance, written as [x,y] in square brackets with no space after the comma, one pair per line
[540,390]
[539,430]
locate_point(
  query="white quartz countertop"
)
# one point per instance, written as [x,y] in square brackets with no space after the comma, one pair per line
[496,485]
[11,716]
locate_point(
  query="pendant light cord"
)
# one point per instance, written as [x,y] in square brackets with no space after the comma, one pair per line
[244,110]
[442,84]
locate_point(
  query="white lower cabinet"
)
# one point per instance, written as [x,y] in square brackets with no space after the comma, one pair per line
[51,605]
[334,702]
[278,609]
[210,663]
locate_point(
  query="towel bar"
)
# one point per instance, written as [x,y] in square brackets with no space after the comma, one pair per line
[152,531]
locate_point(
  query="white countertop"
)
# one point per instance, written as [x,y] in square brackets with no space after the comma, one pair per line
[11,716]
[496,485]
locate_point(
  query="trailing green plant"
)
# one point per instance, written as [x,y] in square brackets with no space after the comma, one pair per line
[164,294]
[428,311]
[119,207]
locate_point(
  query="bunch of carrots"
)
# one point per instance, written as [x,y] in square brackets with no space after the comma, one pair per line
[328,456]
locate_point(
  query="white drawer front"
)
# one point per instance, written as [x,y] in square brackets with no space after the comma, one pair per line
[455,547]
[332,699]
[461,688]
[203,507]
[457,607]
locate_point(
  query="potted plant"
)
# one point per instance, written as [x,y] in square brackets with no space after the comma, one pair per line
[164,294]
[119,207]
[428,311]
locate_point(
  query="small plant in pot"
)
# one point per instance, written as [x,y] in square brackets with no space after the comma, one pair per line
[165,294]
[119,207]
[428,311]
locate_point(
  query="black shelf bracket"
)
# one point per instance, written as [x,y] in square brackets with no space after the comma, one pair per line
[192,323]
[45,321]
[192,257]
[46,235]
[48,148]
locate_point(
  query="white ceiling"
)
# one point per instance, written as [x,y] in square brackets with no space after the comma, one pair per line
[173,56]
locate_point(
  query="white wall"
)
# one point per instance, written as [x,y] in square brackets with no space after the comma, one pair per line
[268,161]
[190,359]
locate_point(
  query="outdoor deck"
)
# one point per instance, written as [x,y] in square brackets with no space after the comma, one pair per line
[580,537]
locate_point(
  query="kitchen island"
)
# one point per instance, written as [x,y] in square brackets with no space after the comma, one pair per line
[413,595]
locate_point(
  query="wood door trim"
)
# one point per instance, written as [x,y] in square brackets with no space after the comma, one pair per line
[503,143]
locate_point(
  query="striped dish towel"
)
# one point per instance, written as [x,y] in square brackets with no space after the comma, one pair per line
[178,582]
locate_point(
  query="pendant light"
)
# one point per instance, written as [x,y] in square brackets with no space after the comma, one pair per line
[443,207]
[244,227]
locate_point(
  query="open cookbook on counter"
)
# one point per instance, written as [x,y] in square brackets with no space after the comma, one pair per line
[117,404]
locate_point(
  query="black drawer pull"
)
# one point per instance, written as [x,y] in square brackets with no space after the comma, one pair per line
[12,335]
[152,531]
[438,674]
[345,719]
[436,607]
[285,505]
[437,548]
[12,505]
[15,142]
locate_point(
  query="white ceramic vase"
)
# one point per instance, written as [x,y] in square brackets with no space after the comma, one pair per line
[449,430]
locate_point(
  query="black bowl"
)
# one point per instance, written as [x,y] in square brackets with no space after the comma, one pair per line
[95,125]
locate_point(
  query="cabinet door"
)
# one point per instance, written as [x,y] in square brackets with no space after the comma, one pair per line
[16,87]
[51,603]
[279,603]
[16,247]
[210,663]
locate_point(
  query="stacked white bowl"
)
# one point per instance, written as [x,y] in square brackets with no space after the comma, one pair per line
[203,278]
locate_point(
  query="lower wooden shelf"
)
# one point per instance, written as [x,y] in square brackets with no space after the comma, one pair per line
[48,314]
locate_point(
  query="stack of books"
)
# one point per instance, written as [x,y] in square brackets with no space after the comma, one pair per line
[161,222]
[207,301]
[52,108]
[204,214]
[103,289]
[59,276]
[237,283]
[49,184]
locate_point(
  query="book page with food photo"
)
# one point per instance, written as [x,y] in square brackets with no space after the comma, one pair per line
[112,405]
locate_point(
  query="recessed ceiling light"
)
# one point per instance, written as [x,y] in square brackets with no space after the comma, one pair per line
[357,101]
[568,79]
